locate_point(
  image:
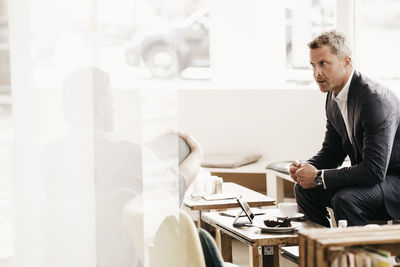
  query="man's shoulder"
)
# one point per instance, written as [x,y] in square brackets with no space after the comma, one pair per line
[367,88]
[371,96]
[367,84]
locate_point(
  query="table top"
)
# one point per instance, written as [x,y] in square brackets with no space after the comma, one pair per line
[255,167]
[253,198]
[253,235]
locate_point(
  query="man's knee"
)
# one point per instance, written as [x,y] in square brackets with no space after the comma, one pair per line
[342,199]
[298,188]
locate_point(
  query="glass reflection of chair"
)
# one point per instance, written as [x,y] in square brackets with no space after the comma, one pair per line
[167,237]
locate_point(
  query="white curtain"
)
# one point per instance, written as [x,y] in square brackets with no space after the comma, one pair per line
[80,123]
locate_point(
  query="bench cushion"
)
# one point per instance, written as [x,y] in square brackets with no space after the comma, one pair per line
[280,166]
[218,160]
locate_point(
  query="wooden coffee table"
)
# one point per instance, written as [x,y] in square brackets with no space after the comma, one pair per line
[263,247]
[253,198]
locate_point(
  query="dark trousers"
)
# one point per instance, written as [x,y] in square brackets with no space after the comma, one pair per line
[357,205]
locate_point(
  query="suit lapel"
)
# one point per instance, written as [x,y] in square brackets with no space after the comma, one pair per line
[351,104]
[338,122]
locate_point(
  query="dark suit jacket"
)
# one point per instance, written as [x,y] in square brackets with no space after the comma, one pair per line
[374,115]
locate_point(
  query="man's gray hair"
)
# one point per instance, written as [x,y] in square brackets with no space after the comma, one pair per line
[336,40]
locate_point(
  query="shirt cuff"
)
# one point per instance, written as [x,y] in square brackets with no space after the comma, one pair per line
[323,180]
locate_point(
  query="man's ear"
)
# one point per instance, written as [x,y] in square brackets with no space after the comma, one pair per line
[347,61]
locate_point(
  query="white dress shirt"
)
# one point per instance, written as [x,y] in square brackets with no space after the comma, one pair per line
[341,100]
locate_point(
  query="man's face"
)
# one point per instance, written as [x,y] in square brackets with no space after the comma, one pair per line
[330,72]
[104,109]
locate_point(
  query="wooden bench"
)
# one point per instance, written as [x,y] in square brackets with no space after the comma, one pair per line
[319,247]
[276,184]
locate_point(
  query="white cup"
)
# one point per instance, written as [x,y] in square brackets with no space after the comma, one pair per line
[287,209]
[209,185]
[198,187]
[342,223]
[218,184]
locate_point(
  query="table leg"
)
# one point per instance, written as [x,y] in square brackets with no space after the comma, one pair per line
[270,256]
[199,220]
[267,256]
[254,257]
[202,224]
[224,244]
[226,247]
[218,239]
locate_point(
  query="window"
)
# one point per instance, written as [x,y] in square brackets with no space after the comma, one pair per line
[257,44]
[304,21]
[378,41]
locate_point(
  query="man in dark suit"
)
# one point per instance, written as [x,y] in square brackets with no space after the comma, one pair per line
[362,123]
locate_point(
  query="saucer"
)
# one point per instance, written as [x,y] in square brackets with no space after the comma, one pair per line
[278,215]
[279,230]
[266,229]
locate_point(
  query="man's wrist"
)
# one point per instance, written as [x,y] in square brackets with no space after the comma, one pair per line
[323,178]
[318,178]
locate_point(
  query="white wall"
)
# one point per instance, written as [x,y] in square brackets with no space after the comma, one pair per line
[280,124]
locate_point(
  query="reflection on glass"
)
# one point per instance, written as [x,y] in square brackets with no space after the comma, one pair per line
[168,51]
[121,171]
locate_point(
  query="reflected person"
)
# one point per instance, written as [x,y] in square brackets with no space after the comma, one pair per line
[117,168]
